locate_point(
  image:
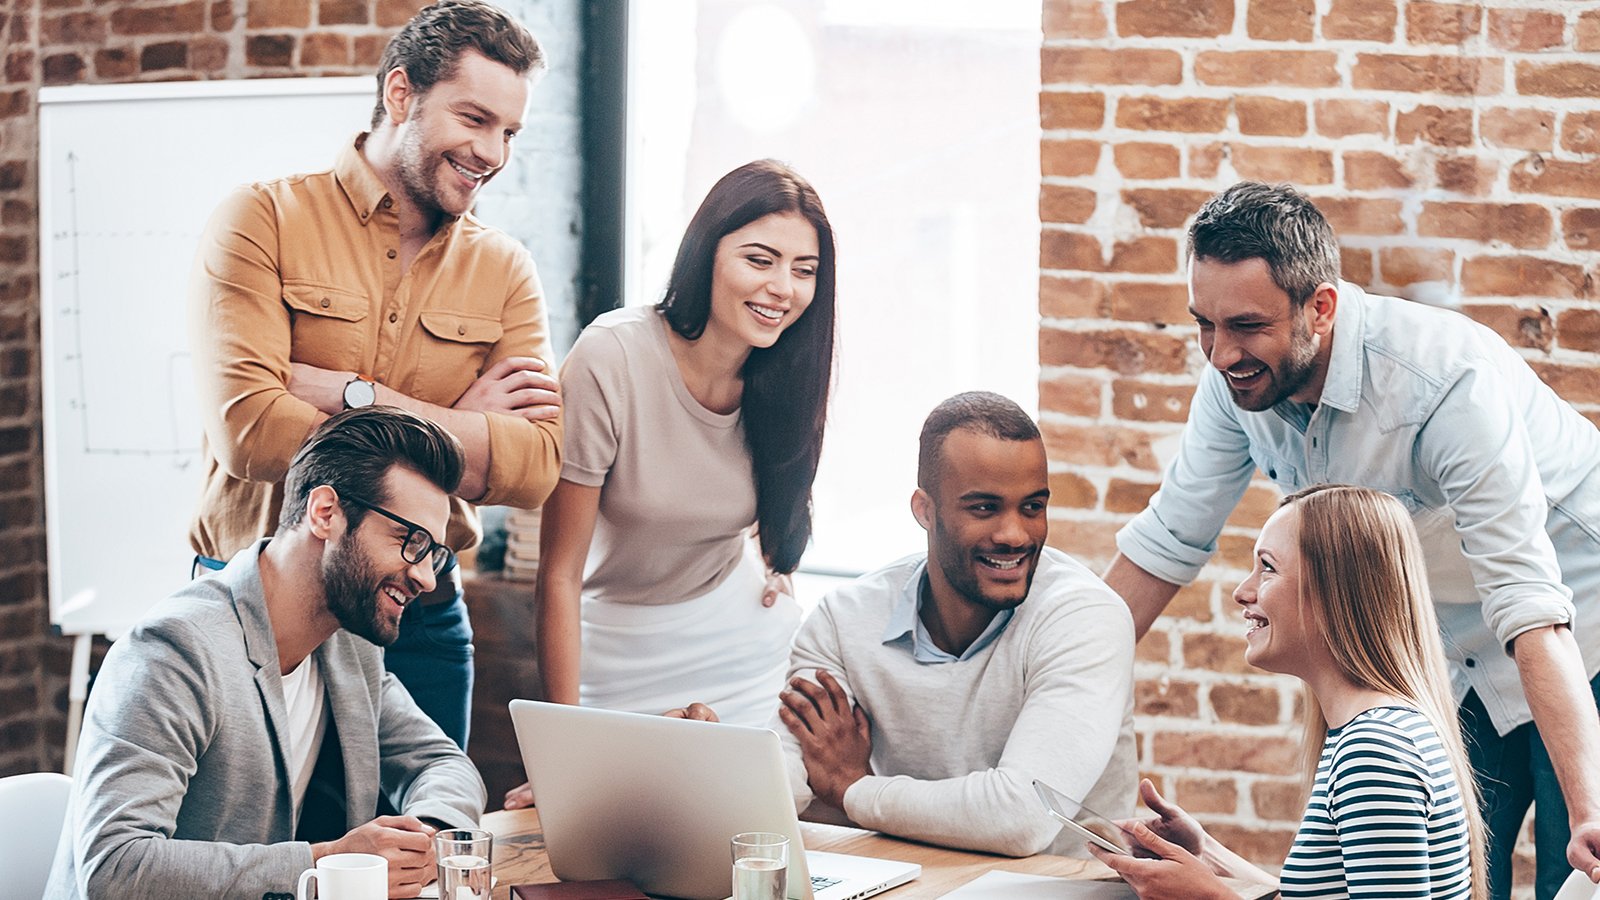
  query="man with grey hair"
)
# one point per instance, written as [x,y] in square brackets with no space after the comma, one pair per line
[925,698]
[1311,380]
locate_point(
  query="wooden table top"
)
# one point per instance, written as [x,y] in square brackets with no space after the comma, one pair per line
[519,857]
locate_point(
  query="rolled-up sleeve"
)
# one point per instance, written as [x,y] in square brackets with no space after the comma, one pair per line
[240,335]
[1176,534]
[524,457]
[1477,448]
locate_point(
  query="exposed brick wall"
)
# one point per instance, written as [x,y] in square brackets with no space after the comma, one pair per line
[1455,146]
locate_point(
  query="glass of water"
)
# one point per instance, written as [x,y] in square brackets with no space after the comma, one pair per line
[760,866]
[464,857]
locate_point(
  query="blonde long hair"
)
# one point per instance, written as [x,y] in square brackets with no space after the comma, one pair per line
[1363,582]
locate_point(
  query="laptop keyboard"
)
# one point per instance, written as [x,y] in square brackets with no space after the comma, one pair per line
[822,882]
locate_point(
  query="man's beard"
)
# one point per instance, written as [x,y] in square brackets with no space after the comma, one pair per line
[351,584]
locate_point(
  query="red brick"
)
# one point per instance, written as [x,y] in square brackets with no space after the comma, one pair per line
[1235,551]
[1521,326]
[1342,118]
[139,19]
[1296,165]
[1247,753]
[114,64]
[1270,116]
[1442,23]
[1129,497]
[394,13]
[1360,20]
[1355,265]
[1070,394]
[1581,228]
[1402,266]
[1148,401]
[1164,208]
[1517,224]
[1580,132]
[1071,250]
[63,68]
[14,174]
[1427,74]
[1100,66]
[324,49]
[14,104]
[1107,446]
[1120,350]
[1057,203]
[1359,215]
[1061,109]
[1245,704]
[17,212]
[1071,490]
[1207,795]
[1259,68]
[1165,697]
[342,12]
[223,16]
[1522,276]
[19,66]
[1526,30]
[1369,170]
[1072,298]
[1145,256]
[1146,160]
[1206,159]
[1222,653]
[164,55]
[1535,175]
[1069,159]
[1588,36]
[1466,175]
[1153,302]
[73,28]
[1074,19]
[369,49]
[1281,20]
[1174,18]
[1578,329]
[1259,502]
[1154,647]
[1434,125]
[1091,543]
[210,53]
[1563,79]
[1520,129]
[1278,801]
[1192,602]
[278,14]
[269,50]
[1574,384]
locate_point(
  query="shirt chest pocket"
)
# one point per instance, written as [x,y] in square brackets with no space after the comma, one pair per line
[450,353]
[328,325]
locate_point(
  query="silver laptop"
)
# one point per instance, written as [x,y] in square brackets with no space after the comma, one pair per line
[656,800]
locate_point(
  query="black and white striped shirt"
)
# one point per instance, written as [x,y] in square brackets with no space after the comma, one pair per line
[1384,818]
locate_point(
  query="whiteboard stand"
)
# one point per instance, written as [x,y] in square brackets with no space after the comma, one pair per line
[77,693]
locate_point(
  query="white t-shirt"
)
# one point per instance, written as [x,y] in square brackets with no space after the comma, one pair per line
[306,703]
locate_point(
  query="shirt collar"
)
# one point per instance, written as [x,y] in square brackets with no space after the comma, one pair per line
[360,182]
[1342,388]
[905,628]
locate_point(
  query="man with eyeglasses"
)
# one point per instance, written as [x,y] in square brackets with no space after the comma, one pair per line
[247,727]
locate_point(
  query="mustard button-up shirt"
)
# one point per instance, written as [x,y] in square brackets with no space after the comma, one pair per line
[304,269]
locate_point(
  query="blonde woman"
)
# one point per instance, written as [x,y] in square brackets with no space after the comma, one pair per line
[1338,597]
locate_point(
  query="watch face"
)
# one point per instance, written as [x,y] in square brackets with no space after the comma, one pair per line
[358,393]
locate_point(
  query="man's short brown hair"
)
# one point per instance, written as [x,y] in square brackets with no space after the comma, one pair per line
[429,47]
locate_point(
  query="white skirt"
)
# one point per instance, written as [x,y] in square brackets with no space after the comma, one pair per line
[723,649]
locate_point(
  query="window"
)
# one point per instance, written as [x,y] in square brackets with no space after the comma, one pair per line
[917,121]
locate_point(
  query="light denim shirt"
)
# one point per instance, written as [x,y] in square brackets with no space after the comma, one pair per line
[906,630]
[1498,472]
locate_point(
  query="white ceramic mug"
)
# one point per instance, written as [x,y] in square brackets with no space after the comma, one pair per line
[347,876]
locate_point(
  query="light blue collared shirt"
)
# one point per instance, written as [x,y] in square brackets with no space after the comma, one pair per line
[906,630]
[1501,476]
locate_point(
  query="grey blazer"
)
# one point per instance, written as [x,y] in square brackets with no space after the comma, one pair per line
[181,788]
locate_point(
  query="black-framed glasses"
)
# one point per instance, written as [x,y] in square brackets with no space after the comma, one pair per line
[419,543]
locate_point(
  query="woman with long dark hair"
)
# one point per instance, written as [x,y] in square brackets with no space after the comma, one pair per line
[1339,598]
[689,425]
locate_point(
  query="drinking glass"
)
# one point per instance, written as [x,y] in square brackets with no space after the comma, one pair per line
[464,857]
[760,866]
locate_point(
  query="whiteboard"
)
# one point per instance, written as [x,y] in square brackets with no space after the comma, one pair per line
[129,174]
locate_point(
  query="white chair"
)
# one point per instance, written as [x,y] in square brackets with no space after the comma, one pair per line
[1578,887]
[32,808]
